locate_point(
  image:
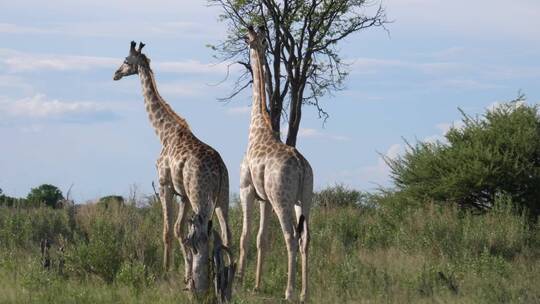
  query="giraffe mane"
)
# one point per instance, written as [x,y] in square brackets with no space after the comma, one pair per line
[181,121]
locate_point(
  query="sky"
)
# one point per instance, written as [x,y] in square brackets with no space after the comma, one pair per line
[64,121]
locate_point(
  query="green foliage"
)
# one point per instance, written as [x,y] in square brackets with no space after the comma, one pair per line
[45,194]
[99,256]
[110,200]
[498,153]
[24,228]
[393,252]
[134,274]
[304,62]
[113,236]
[9,201]
[340,196]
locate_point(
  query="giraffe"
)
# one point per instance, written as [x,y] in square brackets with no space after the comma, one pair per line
[276,175]
[187,168]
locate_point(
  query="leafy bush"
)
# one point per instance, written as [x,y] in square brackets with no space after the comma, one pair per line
[26,227]
[9,201]
[45,194]
[114,234]
[100,255]
[498,153]
[134,274]
[395,252]
[111,200]
[340,196]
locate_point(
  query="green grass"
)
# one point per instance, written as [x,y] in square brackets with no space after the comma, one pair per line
[392,253]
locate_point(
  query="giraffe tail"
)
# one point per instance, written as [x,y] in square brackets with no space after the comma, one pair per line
[300,227]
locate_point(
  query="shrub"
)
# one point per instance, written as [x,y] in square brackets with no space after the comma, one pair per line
[497,153]
[111,200]
[134,274]
[340,196]
[100,255]
[26,227]
[45,194]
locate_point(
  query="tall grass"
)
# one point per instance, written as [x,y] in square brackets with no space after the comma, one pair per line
[389,253]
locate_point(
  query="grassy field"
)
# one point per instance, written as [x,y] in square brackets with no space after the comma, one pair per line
[390,253]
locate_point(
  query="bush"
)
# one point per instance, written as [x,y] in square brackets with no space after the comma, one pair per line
[134,274]
[100,255]
[112,201]
[114,234]
[45,194]
[9,201]
[340,196]
[26,227]
[498,153]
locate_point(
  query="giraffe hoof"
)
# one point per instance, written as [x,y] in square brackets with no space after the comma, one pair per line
[289,297]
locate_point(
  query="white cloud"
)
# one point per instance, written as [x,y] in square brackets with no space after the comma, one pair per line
[192,67]
[376,65]
[25,62]
[377,174]
[317,134]
[183,89]
[120,29]
[41,108]
[494,105]
[10,28]
[460,83]
[444,127]
[447,53]
[17,61]
[394,151]
[479,18]
[10,81]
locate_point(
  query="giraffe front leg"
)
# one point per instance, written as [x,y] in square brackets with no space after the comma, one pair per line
[166,198]
[165,195]
[262,241]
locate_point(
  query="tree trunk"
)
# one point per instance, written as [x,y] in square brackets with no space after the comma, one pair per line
[276,106]
[294,116]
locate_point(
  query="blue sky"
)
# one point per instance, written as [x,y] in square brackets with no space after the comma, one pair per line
[64,121]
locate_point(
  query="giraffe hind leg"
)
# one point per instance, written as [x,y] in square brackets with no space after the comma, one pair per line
[179,231]
[222,213]
[286,216]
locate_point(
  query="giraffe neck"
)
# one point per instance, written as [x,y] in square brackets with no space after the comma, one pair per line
[161,115]
[260,118]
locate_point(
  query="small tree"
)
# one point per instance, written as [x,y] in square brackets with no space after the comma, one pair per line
[497,153]
[303,58]
[47,194]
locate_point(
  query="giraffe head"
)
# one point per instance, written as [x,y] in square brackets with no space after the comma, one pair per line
[133,61]
[255,39]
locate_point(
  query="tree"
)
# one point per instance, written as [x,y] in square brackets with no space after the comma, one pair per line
[303,62]
[492,155]
[47,194]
